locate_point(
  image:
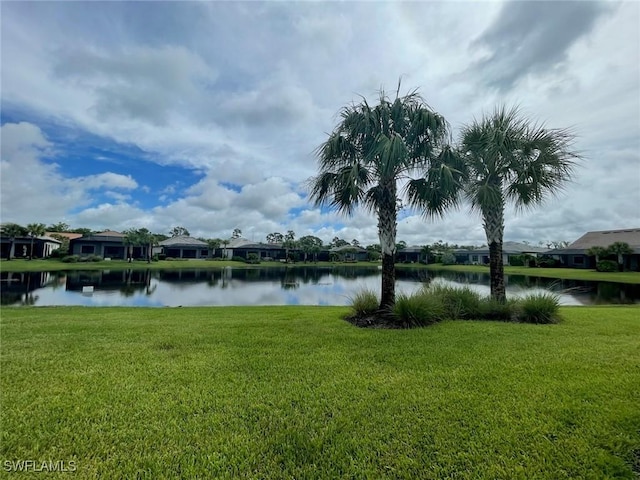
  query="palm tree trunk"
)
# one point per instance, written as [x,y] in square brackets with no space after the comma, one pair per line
[496,272]
[387,226]
[11,249]
[494,229]
[31,251]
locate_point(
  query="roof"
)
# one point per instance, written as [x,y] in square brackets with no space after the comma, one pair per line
[106,236]
[347,248]
[604,238]
[510,248]
[239,242]
[109,233]
[261,246]
[68,235]
[183,241]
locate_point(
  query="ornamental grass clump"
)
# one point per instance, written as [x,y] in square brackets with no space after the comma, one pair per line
[492,309]
[364,303]
[459,302]
[420,309]
[539,308]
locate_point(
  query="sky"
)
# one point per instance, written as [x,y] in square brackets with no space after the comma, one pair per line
[206,115]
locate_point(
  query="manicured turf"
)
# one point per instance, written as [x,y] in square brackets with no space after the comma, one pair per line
[296,392]
[563,273]
[51,265]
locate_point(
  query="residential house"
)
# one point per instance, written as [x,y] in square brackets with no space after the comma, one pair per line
[349,253]
[410,254]
[184,247]
[575,255]
[21,248]
[480,256]
[107,244]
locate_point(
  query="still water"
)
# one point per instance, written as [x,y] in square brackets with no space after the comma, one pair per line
[300,285]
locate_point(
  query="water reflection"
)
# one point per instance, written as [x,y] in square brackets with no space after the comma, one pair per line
[304,285]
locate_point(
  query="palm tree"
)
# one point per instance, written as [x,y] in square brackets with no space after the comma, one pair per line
[213,244]
[511,159]
[289,244]
[131,239]
[148,239]
[372,153]
[35,230]
[12,230]
[597,252]
[225,244]
[620,249]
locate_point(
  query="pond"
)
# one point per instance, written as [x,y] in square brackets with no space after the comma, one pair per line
[299,285]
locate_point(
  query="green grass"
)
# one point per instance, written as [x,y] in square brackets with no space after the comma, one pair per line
[51,265]
[296,392]
[561,273]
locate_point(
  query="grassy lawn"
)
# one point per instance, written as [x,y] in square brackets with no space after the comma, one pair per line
[51,265]
[563,273]
[295,392]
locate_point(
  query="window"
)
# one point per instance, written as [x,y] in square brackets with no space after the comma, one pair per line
[88,249]
[578,260]
[474,258]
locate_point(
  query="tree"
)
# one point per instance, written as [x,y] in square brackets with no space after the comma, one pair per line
[275,237]
[237,233]
[60,227]
[338,242]
[620,249]
[12,230]
[597,252]
[131,239]
[179,232]
[371,151]
[355,242]
[512,159]
[148,239]
[35,230]
[289,243]
[225,244]
[213,245]
[310,245]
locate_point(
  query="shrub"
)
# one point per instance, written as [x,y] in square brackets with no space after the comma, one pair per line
[448,258]
[253,258]
[93,258]
[420,309]
[539,308]
[491,309]
[607,266]
[162,256]
[70,259]
[364,303]
[547,262]
[517,260]
[237,258]
[169,259]
[459,302]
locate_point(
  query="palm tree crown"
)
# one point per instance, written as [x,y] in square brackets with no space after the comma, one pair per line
[512,160]
[375,150]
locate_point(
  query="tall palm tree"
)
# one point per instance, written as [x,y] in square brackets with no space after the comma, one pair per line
[369,159]
[512,159]
[35,230]
[12,231]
